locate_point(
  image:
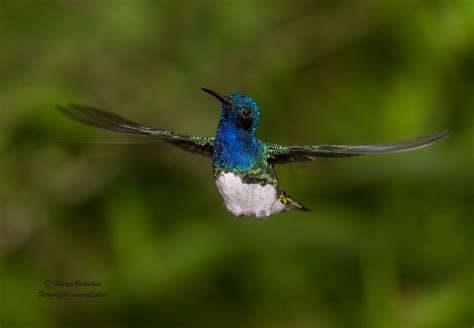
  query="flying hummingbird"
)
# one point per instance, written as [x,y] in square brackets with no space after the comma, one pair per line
[243,166]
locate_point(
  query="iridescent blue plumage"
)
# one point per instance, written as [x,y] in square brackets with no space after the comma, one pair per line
[236,146]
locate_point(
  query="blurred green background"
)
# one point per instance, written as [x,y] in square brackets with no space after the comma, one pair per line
[389,241]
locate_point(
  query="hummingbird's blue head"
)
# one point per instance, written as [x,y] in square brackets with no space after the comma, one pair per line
[238,111]
[236,146]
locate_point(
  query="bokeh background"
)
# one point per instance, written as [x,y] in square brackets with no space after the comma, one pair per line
[389,241]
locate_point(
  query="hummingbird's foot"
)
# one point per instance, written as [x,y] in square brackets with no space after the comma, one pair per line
[263,214]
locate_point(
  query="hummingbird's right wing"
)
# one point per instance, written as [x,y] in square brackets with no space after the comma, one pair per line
[301,153]
[101,119]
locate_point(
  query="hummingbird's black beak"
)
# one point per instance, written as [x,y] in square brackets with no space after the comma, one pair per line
[223,99]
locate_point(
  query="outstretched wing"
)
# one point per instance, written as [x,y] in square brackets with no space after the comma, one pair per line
[101,119]
[302,153]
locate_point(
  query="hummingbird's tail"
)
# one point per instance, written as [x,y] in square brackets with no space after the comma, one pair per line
[290,202]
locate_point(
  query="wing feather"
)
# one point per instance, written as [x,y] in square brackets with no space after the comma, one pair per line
[302,153]
[105,120]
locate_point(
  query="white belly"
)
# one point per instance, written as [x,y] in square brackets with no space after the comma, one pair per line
[248,199]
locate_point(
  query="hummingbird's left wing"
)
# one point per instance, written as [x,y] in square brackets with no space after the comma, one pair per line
[105,120]
[301,153]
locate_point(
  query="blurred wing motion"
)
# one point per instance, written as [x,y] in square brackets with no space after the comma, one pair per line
[101,119]
[302,153]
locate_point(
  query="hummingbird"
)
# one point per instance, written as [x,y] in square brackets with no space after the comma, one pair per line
[243,165]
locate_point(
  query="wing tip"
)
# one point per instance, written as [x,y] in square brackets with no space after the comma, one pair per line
[433,138]
[445,133]
[68,107]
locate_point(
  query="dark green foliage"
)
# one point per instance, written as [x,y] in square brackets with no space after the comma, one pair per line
[389,240]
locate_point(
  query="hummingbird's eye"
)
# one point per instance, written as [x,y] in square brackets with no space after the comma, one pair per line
[246,112]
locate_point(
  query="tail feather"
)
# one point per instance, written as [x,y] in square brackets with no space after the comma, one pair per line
[291,202]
